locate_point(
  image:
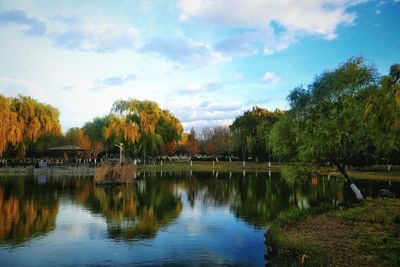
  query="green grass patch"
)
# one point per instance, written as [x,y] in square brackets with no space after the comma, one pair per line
[372,227]
[288,247]
[223,166]
[385,249]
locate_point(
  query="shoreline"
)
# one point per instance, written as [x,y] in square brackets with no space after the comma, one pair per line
[203,166]
[50,170]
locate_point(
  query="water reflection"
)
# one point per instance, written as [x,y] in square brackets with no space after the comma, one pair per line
[257,197]
[26,210]
[131,211]
[29,205]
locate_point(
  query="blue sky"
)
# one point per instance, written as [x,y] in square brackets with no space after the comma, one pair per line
[205,60]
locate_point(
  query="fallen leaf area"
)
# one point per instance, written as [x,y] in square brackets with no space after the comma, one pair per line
[365,235]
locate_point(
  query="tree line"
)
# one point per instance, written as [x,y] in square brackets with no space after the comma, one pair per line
[348,116]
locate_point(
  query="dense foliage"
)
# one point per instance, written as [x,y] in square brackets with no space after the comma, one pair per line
[251,133]
[347,116]
[24,122]
[216,141]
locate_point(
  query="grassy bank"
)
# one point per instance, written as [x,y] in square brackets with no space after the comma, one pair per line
[374,173]
[81,170]
[365,235]
[223,166]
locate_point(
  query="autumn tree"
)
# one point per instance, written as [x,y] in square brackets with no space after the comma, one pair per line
[216,141]
[10,129]
[192,144]
[181,144]
[155,127]
[23,121]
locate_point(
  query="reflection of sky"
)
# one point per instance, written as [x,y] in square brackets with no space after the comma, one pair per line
[215,231]
[202,234]
[209,232]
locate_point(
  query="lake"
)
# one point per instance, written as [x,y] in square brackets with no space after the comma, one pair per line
[199,218]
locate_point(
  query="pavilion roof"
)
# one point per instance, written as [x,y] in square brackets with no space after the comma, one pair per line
[67,148]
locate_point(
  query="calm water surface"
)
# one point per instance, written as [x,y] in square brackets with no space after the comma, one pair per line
[163,219]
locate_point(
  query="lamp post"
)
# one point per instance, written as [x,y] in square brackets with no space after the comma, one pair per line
[121,148]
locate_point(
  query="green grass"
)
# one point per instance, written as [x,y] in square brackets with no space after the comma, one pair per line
[375,173]
[384,216]
[208,166]
[385,249]
[374,225]
[371,173]
[285,246]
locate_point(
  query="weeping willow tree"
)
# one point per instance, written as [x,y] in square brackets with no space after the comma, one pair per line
[23,121]
[10,130]
[251,132]
[144,126]
[348,117]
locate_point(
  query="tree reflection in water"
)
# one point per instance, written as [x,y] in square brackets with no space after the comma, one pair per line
[258,197]
[26,210]
[29,205]
[132,212]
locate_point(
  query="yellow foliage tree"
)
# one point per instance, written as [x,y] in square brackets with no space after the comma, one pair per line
[24,120]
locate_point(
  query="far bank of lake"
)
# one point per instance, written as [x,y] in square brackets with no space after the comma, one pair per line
[369,173]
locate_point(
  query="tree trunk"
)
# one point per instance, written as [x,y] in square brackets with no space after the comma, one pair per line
[353,187]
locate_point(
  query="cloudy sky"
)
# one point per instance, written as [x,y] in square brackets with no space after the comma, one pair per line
[205,60]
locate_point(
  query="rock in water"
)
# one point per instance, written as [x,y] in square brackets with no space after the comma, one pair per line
[385,193]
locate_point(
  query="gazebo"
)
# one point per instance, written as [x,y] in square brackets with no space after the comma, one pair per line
[67,149]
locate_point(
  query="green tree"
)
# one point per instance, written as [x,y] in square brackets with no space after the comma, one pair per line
[95,130]
[330,120]
[283,139]
[155,127]
[383,113]
[251,132]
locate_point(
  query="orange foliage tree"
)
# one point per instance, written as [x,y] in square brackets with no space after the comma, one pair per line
[23,120]
[192,145]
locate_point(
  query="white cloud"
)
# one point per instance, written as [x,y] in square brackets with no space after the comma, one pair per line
[35,26]
[268,51]
[241,45]
[206,114]
[183,17]
[270,78]
[87,36]
[197,88]
[280,23]
[74,33]
[213,106]
[186,51]
[116,80]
